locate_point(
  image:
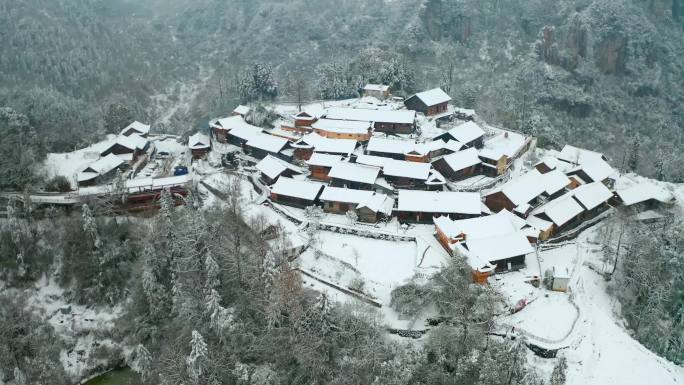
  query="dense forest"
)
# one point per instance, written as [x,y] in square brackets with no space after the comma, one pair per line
[597,73]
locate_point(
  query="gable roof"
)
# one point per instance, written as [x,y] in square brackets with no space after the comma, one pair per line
[390,146]
[198,141]
[508,143]
[432,97]
[466,132]
[591,195]
[503,222]
[354,172]
[496,248]
[376,87]
[405,169]
[323,144]
[642,192]
[138,127]
[372,160]
[453,202]
[100,167]
[462,159]
[368,115]
[561,210]
[378,203]
[272,167]
[592,163]
[527,187]
[302,189]
[324,160]
[266,142]
[347,195]
[343,126]
[242,110]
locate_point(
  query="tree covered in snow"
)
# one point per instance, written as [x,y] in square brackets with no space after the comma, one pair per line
[20,151]
[558,373]
[335,81]
[257,82]
[117,117]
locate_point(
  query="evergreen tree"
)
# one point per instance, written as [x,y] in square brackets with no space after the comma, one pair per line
[659,166]
[117,117]
[558,373]
[633,155]
[89,226]
[196,361]
[144,362]
[213,272]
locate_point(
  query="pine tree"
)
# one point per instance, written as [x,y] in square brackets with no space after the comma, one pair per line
[659,165]
[19,377]
[633,156]
[89,226]
[117,117]
[196,361]
[213,272]
[144,362]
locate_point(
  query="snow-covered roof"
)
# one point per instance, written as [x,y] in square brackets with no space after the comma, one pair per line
[198,141]
[390,146]
[466,132]
[508,143]
[591,195]
[642,192]
[462,159]
[376,87]
[347,195]
[433,96]
[343,126]
[436,178]
[372,160]
[354,172]
[100,167]
[241,109]
[266,142]
[503,222]
[368,115]
[525,188]
[496,248]
[303,115]
[576,155]
[138,127]
[272,167]
[561,210]
[405,169]
[592,163]
[439,202]
[334,146]
[233,122]
[177,180]
[550,161]
[132,142]
[325,160]
[302,189]
[539,223]
[245,132]
[378,203]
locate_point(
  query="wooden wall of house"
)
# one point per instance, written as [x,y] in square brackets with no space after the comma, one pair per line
[387,155]
[443,167]
[516,262]
[436,109]
[337,207]
[198,153]
[291,201]
[498,201]
[221,135]
[367,215]
[337,135]
[416,158]
[303,153]
[319,172]
[406,183]
[335,182]
[415,104]
[423,217]
[394,128]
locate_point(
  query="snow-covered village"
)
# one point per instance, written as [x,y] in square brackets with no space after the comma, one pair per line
[355,192]
[366,199]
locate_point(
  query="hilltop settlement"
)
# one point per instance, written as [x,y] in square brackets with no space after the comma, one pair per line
[373,192]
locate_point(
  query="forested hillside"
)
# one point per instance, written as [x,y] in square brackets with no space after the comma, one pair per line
[598,73]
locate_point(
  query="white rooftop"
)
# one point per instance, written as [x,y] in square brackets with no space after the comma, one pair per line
[347,195]
[462,159]
[390,146]
[266,142]
[343,126]
[137,126]
[367,115]
[561,210]
[591,195]
[372,160]
[495,248]
[325,160]
[433,96]
[354,172]
[405,169]
[378,203]
[466,132]
[376,87]
[593,163]
[508,143]
[199,141]
[100,167]
[241,109]
[643,191]
[334,146]
[503,222]
[272,167]
[302,189]
[439,202]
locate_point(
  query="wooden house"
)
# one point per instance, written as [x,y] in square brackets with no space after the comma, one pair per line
[260,145]
[370,206]
[102,169]
[459,165]
[320,165]
[136,128]
[305,147]
[378,91]
[353,175]
[406,175]
[388,121]
[234,130]
[302,122]
[389,148]
[565,212]
[522,194]
[590,166]
[422,206]
[642,196]
[241,110]
[546,164]
[199,145]
[593,197]
[469,134]
[297,193]
[499,152]
[431,102]
[343,129]
[271,168]
[128,148]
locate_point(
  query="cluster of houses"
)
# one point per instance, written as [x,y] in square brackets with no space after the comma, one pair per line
[360,160]
[128,150]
